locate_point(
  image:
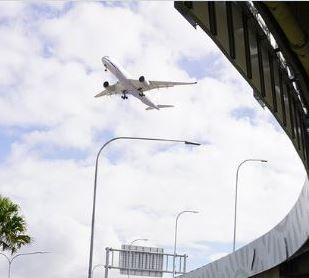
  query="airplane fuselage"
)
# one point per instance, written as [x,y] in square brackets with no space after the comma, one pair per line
[124,80]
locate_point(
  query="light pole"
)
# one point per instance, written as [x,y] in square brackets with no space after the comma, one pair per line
[96,266]
[236,187]
[10,260]
[178,215]
[95,182]
[130,245]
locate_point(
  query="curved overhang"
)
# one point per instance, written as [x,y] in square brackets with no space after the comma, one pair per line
[266,252]
[267,43]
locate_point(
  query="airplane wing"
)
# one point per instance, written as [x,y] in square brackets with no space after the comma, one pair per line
[109,91]
[156,84]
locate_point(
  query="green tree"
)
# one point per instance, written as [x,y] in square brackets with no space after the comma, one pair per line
[12,226]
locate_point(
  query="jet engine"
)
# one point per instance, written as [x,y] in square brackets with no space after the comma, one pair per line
[143,80]
[105,84]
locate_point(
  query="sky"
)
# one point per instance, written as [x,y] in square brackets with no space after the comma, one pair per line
[52,128]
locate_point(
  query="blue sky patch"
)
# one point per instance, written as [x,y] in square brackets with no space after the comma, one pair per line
[200,68]
[120,4]
[48,10]
[6,139]
[52,152]
[47,50]
[244,113]
[6,22]
[101,138]
[9,136]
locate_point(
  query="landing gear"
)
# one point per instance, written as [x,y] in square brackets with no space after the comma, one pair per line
[105,67]
[124,95]
[141,94]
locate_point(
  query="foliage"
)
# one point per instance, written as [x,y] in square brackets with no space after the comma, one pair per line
[12,226]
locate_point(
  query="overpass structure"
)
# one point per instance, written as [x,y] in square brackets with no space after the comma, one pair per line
[268,43]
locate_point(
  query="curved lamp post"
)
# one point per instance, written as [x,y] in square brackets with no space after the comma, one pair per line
[236,188]
[130,245]
[10,260]
[95,182]
[176,226]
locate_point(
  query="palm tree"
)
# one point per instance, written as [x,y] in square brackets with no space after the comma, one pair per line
[12,226]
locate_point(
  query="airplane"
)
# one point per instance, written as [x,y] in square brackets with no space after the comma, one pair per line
[135,87]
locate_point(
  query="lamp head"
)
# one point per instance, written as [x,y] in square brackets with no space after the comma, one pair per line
[192,143]
[193,211]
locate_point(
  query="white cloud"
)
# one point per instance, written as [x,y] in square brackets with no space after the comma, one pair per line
[52,70]
[11,10]
[217,256]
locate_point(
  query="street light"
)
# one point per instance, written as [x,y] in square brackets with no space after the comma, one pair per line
[95,182]
[10,260]
[235,211]
[130,245]
[178,215]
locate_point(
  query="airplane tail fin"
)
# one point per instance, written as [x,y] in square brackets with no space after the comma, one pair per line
[160,106]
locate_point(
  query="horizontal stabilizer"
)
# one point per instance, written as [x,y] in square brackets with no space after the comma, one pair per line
[160,106]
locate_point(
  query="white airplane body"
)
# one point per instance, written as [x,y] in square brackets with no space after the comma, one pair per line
[135,87]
